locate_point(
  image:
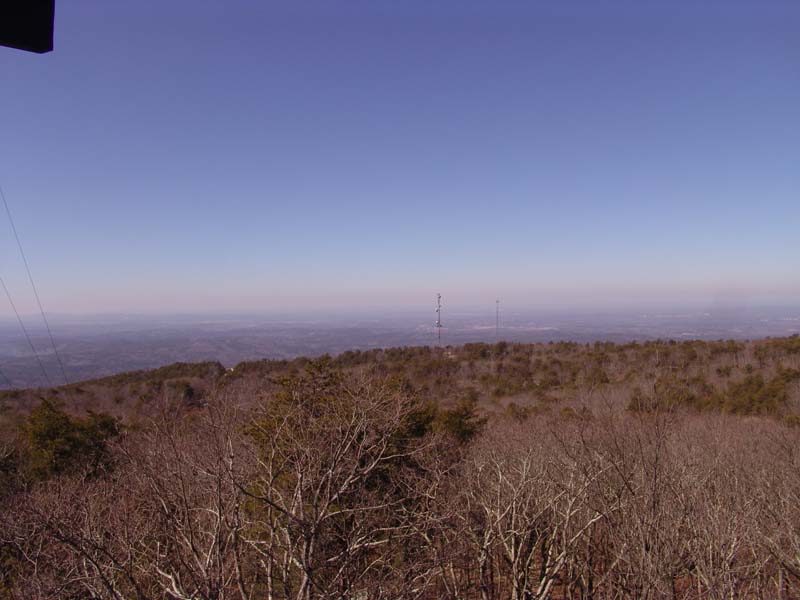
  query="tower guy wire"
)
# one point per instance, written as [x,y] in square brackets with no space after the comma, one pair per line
[33,287]
[25,331]
[5,378]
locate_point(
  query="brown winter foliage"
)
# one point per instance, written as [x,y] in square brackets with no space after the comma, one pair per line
[637,471]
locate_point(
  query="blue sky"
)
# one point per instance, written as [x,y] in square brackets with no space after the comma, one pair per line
[238,155]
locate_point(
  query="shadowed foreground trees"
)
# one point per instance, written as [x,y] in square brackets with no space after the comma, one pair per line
[350,487]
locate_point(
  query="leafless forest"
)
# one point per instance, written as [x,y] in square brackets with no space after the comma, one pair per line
[504,471]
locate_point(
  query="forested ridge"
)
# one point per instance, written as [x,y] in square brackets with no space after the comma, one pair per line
[753,377]
[520,471]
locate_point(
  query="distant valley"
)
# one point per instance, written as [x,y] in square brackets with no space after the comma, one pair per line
[104,345]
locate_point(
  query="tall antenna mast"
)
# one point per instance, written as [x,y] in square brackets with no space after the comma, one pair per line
[497,321]
[439,317]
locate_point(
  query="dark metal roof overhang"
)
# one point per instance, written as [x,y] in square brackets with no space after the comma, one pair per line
[27,24]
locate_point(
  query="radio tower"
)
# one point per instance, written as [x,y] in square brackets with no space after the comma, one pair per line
[439,317]
[497,321]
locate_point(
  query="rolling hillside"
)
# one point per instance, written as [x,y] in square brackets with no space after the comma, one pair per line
[501,470]
[755,377]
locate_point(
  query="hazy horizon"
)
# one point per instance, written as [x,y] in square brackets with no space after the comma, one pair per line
[95,345]
[391,311]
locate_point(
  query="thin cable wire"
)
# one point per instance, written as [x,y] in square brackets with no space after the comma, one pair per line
[33,286]
[6,379]
[25,331]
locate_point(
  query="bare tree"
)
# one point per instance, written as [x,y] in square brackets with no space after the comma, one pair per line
[325,485]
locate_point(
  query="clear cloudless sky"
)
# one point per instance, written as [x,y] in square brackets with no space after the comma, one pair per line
[198,155]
